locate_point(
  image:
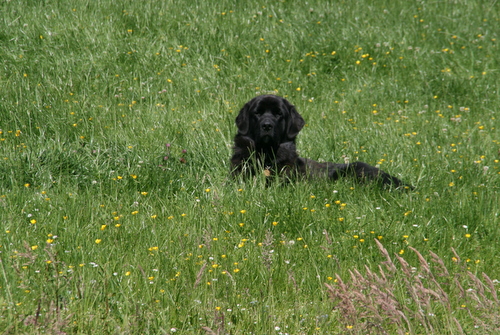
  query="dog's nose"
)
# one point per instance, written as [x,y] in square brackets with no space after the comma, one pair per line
[267,126]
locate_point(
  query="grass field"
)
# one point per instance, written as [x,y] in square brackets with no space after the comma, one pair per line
[117,211]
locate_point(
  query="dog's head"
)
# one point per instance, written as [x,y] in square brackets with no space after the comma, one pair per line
[269,120]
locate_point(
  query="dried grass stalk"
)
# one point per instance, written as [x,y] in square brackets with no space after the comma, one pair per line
[415,300]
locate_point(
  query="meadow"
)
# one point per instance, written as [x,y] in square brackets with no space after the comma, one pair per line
[117,212]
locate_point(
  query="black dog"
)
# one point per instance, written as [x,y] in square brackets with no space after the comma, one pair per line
[267,128]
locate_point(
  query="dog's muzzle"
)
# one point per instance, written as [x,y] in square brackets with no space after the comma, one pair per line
[266,131]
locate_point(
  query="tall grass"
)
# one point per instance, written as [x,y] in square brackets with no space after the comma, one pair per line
[117,211]
[428,299]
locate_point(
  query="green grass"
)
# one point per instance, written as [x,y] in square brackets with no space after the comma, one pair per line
[106,229]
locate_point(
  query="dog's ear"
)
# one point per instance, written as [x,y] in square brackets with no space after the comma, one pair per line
[295,122]
[243,119]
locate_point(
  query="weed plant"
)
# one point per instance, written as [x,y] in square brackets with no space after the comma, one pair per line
[117,211]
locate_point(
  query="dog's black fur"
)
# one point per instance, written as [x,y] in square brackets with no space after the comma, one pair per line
[267,128]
